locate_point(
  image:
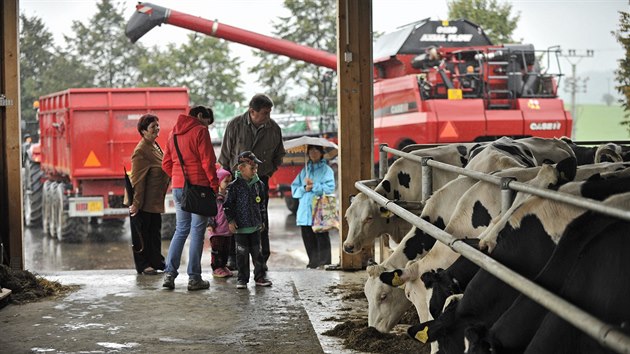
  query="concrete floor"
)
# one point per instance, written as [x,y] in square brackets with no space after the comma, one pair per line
[119,311]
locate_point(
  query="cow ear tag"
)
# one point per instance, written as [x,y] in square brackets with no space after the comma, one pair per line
[423,335]
[386,214]
[396,281]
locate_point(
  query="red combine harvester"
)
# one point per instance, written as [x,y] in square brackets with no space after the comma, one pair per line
[434,81]
[75,173]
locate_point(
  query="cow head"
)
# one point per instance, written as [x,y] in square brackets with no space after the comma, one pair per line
[367,220]
[386,304]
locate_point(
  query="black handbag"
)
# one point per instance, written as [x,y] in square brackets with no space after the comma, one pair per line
[196,199]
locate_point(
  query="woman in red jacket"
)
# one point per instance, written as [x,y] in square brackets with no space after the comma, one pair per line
[193,140]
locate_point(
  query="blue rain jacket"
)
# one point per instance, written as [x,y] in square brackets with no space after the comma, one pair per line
[323,183]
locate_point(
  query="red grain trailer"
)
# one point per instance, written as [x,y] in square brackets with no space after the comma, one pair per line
[86,137]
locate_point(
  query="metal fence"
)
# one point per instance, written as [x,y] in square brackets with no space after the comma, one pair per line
[608,335]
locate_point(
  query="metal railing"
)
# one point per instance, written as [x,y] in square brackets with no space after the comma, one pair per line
[607,335]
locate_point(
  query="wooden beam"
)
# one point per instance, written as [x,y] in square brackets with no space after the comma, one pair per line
[354,97]
[10,159]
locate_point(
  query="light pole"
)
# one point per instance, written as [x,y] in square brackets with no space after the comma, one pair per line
[576,84]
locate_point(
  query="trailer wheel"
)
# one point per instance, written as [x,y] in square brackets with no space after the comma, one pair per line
[168,226]
[67,228]
[33,194]
[292,203]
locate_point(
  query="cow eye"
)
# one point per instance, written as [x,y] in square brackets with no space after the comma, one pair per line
[367,220]
[383,297]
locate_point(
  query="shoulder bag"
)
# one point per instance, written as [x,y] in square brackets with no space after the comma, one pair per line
[196,199]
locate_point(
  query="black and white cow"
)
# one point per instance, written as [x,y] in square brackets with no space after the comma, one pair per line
[516,327]
[386,304]
[524,244]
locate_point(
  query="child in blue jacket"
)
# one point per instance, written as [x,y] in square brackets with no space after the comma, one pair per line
[316,179]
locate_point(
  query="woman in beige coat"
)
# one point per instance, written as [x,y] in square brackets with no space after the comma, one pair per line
[149,183]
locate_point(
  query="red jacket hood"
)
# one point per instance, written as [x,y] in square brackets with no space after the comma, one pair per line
[185,123]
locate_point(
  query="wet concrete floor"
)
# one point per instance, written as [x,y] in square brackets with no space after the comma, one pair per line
[114,312]
[117,310]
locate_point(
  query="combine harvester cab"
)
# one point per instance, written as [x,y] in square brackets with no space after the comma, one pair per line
[87,139]
[444,82]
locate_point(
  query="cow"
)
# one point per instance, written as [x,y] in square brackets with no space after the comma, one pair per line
[386,304]
[577,241]
[367,220]
[524,244]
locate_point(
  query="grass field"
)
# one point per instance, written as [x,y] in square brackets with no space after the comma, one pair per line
[600,123]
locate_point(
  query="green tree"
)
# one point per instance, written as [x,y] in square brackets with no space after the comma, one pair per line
[495,18]
[203,64]
[101,44]
[311,23]
[36,52]
[622,74]
[44,68]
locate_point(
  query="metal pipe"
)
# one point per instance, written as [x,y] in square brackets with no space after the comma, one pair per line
[427,179]
[507,195]
[606,334]
[383,164]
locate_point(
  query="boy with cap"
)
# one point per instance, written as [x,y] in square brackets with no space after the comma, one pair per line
[244,208]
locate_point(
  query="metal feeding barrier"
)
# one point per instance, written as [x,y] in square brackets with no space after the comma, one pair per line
[608,335]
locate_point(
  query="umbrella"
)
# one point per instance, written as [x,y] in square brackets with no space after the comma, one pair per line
[134,221]
[300,144]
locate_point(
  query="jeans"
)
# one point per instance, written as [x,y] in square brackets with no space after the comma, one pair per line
[186,223]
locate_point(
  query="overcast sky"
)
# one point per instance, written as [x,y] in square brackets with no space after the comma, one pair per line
[578,24]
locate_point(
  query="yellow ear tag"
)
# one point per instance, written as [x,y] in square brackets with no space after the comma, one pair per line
[258,199]
[386,214]
[397,281]
[423,335]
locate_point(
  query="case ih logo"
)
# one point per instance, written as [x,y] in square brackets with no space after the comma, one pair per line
[533,104]
[545,126]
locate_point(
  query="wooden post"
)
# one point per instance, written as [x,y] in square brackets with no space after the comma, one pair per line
[10,155]
[355,95]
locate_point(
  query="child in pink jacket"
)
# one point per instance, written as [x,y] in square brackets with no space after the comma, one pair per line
[218,229]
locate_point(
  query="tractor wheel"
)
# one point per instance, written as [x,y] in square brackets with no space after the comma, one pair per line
[67,228]
[168,226]
[33,194]
[292,204]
